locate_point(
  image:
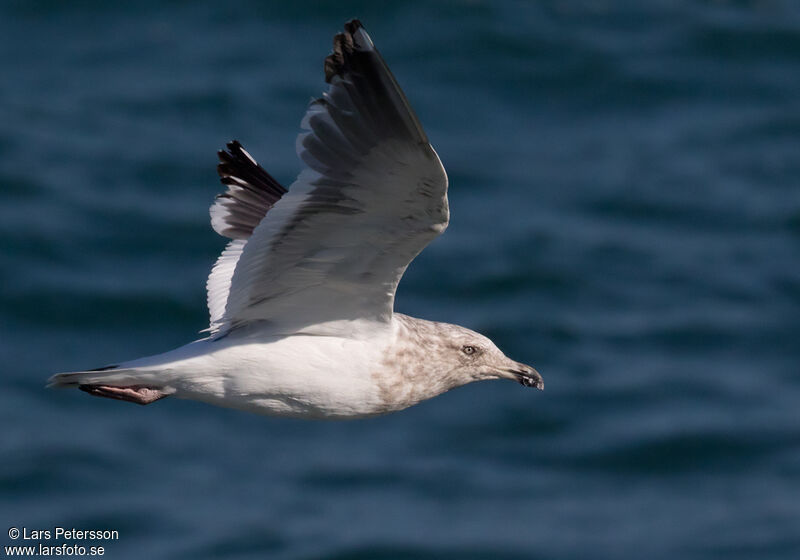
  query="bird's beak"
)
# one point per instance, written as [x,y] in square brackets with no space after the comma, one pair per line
[524,375]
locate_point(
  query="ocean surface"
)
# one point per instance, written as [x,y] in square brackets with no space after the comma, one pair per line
[625,196]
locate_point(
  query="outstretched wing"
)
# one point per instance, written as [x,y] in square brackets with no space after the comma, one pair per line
[372,196]
[235,214]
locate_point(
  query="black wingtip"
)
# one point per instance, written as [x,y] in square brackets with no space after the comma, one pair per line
[343,46]
[353,25]
[235,156]
[251,193]
[237,162]
[233,152]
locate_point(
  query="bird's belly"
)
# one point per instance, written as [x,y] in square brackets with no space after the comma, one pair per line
[306,393]
[299,376]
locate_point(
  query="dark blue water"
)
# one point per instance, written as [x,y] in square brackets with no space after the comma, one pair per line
[625,195]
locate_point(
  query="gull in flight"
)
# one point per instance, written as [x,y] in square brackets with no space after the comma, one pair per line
[301,301]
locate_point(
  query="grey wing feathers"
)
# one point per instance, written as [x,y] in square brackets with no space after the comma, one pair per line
[370,84]
[334,247]
[363,107]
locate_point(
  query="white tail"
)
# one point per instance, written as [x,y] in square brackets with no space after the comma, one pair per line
[113,382]
[105,375]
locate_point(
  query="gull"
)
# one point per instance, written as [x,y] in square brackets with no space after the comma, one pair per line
[301,301]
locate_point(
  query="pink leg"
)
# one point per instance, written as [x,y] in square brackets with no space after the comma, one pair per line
[135,393]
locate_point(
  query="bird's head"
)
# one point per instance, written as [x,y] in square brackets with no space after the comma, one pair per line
[477,358]
[429,358]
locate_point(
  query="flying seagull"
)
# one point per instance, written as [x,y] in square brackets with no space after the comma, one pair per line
[301,301]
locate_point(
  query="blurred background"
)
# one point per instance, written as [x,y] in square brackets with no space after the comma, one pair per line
[625,201]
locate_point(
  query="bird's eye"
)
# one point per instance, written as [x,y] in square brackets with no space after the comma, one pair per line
[469,350]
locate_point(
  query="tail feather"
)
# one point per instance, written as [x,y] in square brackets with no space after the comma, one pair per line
[108,375]
[115,382]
